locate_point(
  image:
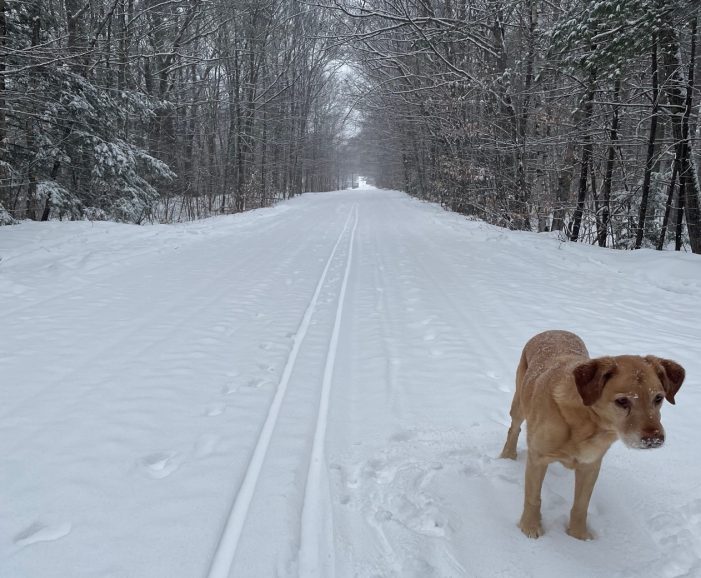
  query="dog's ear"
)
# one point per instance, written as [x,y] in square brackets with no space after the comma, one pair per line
[671,375]
[591,376]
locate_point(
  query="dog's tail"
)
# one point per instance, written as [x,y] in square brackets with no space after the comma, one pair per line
[521,370]
[516,412]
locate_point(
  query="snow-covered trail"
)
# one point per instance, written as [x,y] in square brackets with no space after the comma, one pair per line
[321,389]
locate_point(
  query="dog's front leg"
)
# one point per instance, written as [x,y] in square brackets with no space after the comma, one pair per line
[535,474]
[585,476]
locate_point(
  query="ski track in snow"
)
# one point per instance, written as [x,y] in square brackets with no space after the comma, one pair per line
[316,549]
[321,389]
[223,558]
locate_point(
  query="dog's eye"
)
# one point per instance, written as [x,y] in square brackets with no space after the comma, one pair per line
[623,402]
[658,399]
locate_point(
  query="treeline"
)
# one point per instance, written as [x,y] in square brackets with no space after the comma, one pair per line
[574,115]
[580,116]
[144,109]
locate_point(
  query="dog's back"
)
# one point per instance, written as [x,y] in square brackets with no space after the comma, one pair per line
[544,352]
[539,352]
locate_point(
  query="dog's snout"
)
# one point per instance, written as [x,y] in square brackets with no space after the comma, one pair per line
[652,438]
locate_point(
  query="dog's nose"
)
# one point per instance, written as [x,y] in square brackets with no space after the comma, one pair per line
[652,438]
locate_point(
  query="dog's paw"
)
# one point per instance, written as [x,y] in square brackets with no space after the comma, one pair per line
[531,529]
[508,455]
[580,533]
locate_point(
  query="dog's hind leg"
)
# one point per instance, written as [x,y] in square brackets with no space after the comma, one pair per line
[517,416]
[530,519]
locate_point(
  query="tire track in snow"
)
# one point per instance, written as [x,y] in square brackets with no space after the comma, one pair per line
[313,561]
[225,553]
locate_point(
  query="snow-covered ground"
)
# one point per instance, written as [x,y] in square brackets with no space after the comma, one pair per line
[319,389]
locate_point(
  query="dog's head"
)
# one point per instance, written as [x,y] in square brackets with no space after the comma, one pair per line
[627,392]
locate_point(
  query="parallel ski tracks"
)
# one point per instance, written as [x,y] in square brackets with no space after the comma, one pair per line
[225,553]
[313,561]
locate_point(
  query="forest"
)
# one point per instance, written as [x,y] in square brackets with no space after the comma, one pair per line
[577,116]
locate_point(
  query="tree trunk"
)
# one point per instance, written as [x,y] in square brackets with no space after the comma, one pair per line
[680,95]
[668,204]
[4,173]
[681,195]
[522,159]
[30,127]
[595,195]
[602,233]
[584,164]
[263,160]
[564,184]
[650,159]
[692,202]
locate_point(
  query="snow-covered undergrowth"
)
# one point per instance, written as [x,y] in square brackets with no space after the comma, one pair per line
[299,391]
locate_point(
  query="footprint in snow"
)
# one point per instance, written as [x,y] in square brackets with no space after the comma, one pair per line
[38,532]
[206,445]
[402,436]
[161,464]
[410,502]
[501,386]
[677,530]
[214,409]
[420,324]
[256,382]
[413,483]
